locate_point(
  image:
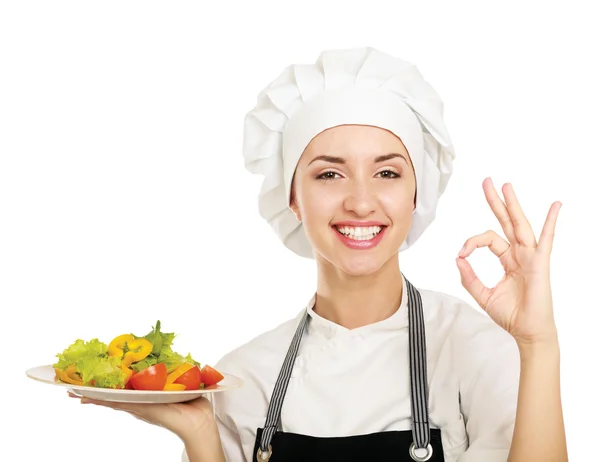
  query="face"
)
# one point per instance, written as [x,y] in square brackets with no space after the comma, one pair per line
[354,191]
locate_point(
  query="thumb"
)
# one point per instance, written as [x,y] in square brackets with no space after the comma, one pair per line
[472,283]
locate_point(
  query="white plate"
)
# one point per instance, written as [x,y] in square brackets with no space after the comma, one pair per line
[46,374]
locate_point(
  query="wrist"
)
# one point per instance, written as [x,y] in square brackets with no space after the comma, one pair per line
[544,346]
[204,446]
[198,429]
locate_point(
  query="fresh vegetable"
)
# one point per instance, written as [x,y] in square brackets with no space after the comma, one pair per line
[151,378]
[69,375]
[173,360]
[88,363]
[129,349]
[162,351]
[128,374]
[179,372]
[159,339]
[104,371]
[133,362]
[174,387]
[78,350]
[210,376]
[192,379]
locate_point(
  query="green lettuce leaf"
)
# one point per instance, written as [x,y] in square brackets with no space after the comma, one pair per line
[159,339]
[148,361]
[103,370]
[189,359]
[173,359]
[79,350]
[162,351]
[92,363]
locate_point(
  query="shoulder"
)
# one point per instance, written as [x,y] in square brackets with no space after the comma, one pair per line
[262,349]
[257,363]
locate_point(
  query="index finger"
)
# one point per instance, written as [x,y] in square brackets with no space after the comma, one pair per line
[499,209]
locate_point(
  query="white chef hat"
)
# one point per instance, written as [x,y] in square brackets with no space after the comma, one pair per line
[361,86]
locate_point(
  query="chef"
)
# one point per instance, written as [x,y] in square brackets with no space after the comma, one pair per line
[355,156]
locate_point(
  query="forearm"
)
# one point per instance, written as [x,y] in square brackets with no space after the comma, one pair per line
[539,433]
[205,447]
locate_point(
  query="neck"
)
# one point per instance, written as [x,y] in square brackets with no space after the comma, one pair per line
[356,301]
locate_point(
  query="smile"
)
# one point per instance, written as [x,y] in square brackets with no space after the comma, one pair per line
[359,233]
[359,237]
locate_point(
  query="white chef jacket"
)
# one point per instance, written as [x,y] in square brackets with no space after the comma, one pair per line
[350,382]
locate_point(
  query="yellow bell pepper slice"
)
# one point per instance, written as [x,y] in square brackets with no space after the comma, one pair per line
[129,349]
[174,387]
[115,348]
[178,372]
[128,373]
[69,375]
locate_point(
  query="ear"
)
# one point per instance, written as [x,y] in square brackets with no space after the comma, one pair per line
[294,208]
[415,200]
[294,205]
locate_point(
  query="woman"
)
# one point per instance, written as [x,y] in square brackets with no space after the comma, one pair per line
[355,157]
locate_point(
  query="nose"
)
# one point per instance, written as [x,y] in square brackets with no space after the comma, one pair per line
[360,199]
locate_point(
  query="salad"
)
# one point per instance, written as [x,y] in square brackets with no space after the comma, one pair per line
[132,362]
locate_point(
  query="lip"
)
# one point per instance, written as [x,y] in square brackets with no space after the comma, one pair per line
[359,245]
[359,224]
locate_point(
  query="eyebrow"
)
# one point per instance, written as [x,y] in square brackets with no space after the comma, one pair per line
[340,160]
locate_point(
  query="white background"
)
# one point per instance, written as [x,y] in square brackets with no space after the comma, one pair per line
[124,199]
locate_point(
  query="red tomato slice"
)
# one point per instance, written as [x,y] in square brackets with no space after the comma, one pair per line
[210,376]
[151,378]
[191,379]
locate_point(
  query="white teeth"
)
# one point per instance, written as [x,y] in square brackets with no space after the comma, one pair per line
[360,233]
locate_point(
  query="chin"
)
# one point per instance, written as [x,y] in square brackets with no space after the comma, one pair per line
[356,265]
[359,268]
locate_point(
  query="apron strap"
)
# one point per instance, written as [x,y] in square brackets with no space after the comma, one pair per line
[419,392]
[274,412]
[420,449]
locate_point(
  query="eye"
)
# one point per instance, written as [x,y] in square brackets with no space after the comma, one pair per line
[327,175]
[388,174]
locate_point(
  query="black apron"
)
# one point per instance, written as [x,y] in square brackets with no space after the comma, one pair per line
[419,444]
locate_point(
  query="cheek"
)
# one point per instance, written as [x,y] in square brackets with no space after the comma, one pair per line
[317,207]
[400,204]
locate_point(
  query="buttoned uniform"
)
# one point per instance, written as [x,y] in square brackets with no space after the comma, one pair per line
[355,382]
